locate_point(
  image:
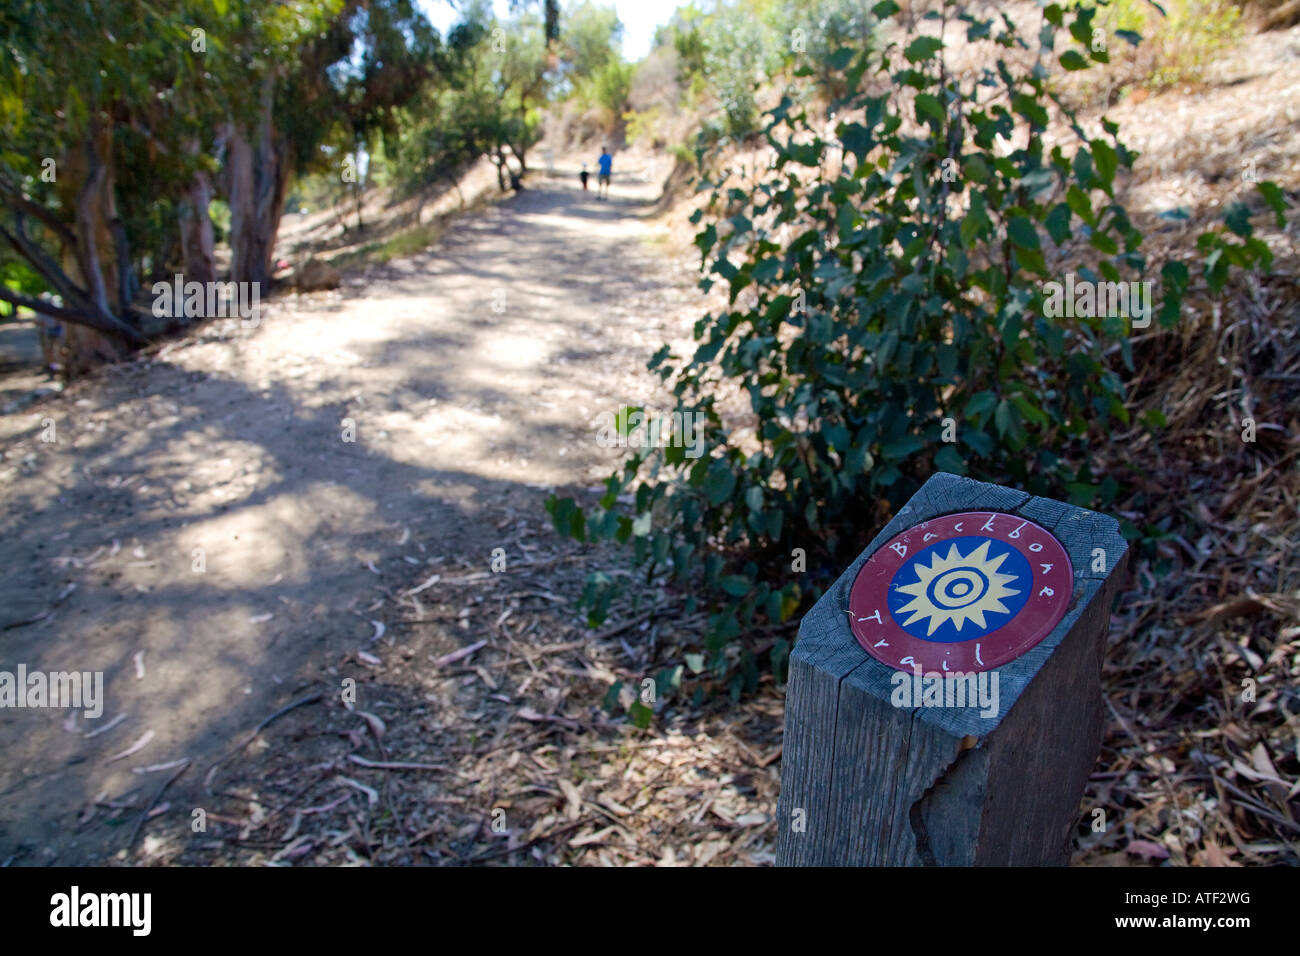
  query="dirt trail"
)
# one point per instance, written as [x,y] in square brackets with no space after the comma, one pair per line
[472,373]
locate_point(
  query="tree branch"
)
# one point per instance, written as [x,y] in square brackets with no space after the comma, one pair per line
[15,198]
[45,266]
[90,320]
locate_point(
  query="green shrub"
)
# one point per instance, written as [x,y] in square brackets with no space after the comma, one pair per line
[19,277]
[893,326]
[611,86]
[1180,38]
[643,125]
[681,153]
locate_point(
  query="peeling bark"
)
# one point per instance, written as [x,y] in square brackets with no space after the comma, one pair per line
[258,169]
[89,174]
[198,257]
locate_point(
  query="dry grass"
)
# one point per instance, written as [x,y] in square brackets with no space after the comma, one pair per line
[1201,764]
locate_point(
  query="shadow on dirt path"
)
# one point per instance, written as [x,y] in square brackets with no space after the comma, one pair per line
[216,526]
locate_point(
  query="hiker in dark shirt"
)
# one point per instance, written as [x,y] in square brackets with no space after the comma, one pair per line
[584,176]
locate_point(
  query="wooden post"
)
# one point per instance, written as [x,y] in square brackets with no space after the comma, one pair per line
[944,703]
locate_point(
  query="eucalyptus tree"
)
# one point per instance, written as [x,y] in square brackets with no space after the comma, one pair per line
[80,85]
[120,119]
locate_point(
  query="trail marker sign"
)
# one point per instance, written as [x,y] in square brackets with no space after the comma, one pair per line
[944,703]
[964,592]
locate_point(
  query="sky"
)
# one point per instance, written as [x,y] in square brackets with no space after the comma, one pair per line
[640,18]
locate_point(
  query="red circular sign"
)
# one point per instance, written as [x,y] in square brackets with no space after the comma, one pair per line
[962,593]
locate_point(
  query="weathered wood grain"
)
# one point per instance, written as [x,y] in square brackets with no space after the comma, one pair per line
[867,783]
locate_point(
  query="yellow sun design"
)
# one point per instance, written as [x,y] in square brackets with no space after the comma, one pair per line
[958,589]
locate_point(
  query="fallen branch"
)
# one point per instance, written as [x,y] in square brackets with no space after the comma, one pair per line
[394,764]
[372,795]
[43,614]
[622,626]
[310,699]
[459,655]
[144,815]
[108,726]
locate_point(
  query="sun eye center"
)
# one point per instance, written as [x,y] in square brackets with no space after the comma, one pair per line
[957,588]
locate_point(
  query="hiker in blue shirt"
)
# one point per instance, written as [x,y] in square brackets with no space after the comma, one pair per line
[605,165]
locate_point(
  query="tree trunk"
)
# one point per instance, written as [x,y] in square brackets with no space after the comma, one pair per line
[500,161]
[197,255]
[88,178]
[128,281]
[456,185]
[258,168]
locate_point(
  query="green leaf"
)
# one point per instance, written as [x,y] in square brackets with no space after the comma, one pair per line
[1276,200]
[981,442]
[1058,223]
[1029,410]
[1002,418]
[1030,109]
[1081,28]
[719,484]
[1021,231]
[1080,204]
[975,168]
[640,714]
[900,448]
[948,459]
[1073,60]
[1216,270]
[857,139]
[1032,261]
[922,48]
[706,238]
[567,517]
[623,418]
[736,585]
[1039,182]
[980,404]
[841,58]
[929,108]
[1105,159]
[1103,243]
[780,655]
[1237,217]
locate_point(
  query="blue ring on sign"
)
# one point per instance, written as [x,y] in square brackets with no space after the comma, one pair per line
[960,589]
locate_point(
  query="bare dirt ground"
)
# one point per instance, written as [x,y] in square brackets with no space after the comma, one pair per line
[202,531]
